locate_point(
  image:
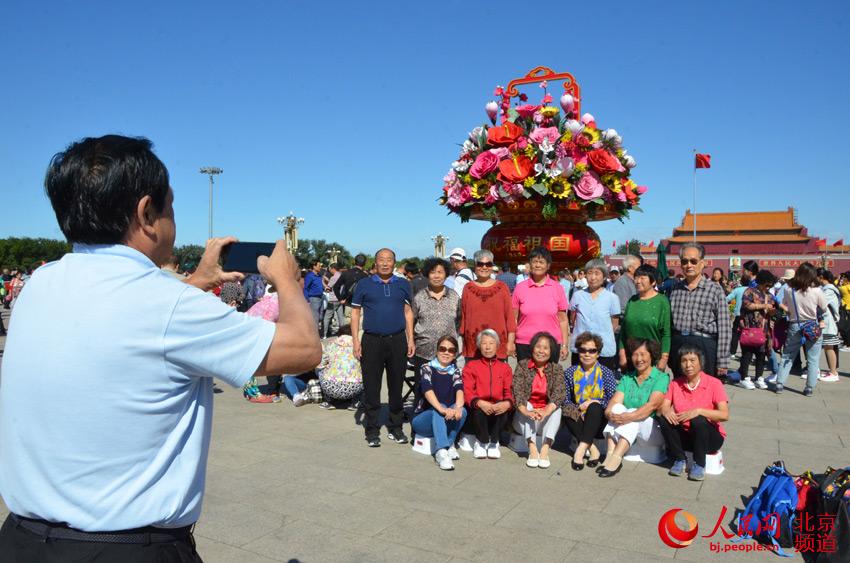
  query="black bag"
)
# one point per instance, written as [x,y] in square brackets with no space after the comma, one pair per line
[834,500]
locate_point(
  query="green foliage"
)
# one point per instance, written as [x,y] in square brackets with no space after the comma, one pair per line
[310,250]
[189,255]
[21,253]
[631,247]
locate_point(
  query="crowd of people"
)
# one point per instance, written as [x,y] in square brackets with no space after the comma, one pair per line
[620,330]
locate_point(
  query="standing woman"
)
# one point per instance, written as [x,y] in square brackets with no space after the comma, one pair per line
[831,337]
[486,303]
[806,306]
[757,309]
[647,316]
[436,313]
[539,391]
[596,310]
[540,305]
[589,386]
[718,276]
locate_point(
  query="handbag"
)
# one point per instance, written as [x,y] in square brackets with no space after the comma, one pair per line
[809,329]
[753,337]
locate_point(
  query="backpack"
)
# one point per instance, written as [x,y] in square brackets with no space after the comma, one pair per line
[344,292]
[770,513]
[835,501]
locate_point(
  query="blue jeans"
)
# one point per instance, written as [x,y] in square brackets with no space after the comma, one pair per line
[292,385]
[790,351]
[432,424]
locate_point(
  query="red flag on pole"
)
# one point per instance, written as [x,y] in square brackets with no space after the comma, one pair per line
[703,160]
[614,244]
[839,242]
[651,243]
[820,242]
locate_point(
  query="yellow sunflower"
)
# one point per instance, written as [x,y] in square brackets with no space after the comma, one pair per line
[549,111]
[592,134]
[560,188]
[480,190]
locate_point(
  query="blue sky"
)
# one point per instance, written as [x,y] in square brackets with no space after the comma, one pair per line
[349,114]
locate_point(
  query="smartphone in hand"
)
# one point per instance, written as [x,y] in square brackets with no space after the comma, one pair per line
[242,256]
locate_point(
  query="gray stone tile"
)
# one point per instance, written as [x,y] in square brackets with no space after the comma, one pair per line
[234,523]
[216,552]
[586,551]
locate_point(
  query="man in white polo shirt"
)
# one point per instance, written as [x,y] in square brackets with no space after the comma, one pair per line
[106,404]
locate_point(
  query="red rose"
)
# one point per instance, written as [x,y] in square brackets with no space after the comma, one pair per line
[515,170]
[503,135]
[581,141]
[603,161]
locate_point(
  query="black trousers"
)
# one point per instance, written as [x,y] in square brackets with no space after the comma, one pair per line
[587,429]
[379,353]
[701,438]
[704,343]
[748,353]
[486,427]
[736,335]
[523,352]
[417,362]
[18,545]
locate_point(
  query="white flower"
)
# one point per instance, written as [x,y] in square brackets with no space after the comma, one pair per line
[460,165]
[574,126]
[468,146]
[567,165]
[475,133]
[609,134]
[629,161]
[546,145]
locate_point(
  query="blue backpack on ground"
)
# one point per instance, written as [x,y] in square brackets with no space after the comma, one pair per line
[769,515]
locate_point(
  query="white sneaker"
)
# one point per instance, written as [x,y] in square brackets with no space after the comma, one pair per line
[804,375]
[844,349]
[544,463]
[478,450]
[444,460]
[829,378]
[299,399]
[770,378]
[760,383]
[453,453]
[493,451]
[747,383]
[532,461]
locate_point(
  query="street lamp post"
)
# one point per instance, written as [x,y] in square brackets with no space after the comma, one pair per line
[290,231]
[333,253]
[211,171]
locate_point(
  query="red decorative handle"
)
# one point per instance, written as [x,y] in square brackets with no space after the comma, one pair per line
[542,73]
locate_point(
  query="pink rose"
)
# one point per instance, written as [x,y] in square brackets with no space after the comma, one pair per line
[526,110]
[485,163]
[641,190]
[621,196]
[492,195]
[541,133]
[589,187]
[513,189]
[500,152]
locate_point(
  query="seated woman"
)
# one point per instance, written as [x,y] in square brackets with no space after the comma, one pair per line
[538,386]
[487,389]
[339,373]
[590,386]
[691,414]
[631,411]
[440,413]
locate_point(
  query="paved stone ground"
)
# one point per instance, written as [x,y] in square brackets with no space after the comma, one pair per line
[299,484]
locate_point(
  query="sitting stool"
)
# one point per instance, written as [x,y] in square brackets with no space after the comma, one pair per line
[424,445]
[648,451]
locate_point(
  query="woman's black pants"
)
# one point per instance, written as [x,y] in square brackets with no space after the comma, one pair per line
[702,437]
[587,429]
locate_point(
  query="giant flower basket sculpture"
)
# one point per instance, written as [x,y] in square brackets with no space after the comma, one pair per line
[541,174]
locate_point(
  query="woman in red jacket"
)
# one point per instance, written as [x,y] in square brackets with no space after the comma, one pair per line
[487,389]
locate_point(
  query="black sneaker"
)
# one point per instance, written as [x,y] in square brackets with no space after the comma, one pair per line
[327,406]
[373,442]
[397,437]
[355,406]
[808,391]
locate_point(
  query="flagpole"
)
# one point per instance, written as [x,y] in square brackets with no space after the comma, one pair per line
[695,194]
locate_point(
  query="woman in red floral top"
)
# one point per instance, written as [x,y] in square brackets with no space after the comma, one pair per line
[486,303]
[757,309]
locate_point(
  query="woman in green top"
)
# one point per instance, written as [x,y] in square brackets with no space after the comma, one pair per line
[631,410]
[647,316]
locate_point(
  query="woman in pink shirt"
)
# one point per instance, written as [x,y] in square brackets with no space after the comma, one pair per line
[540,305]
[691,415]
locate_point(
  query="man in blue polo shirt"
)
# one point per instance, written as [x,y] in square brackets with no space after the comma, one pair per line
[314,291]
[383,302]
[104,439]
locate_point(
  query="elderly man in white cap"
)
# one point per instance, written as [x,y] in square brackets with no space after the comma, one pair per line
[462,273]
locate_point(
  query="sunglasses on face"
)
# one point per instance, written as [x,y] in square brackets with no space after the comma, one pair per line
[446,349]
[693,261]
[484,264]
[587,350]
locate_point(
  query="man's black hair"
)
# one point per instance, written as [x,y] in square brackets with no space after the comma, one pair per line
[95,185]
[360,260]
[411,268]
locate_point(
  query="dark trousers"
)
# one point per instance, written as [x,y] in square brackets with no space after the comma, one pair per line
[704,343]
[701,438]
[748,353]
[523,352]
[611,362]
[379,353]
[486,427]
[590,427]
[18,545]
[736,335]
[417,362]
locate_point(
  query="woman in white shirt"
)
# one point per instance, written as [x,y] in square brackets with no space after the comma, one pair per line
[806,306]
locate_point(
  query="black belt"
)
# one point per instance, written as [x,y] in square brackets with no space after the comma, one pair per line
[144,536]
[376,335]
[694,333]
